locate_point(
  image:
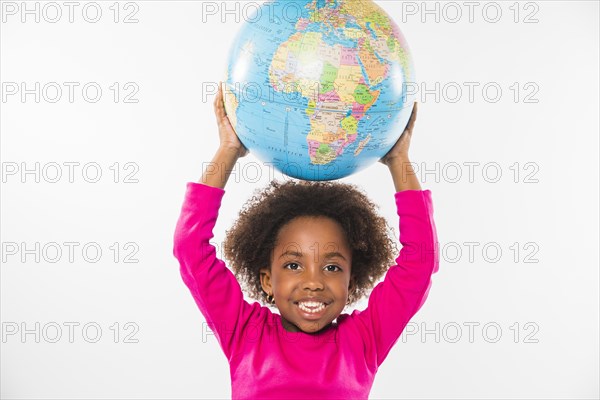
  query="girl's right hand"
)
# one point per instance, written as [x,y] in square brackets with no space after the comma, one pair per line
[227,136]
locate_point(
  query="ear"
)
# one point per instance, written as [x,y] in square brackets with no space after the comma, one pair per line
[351,284]
[265,280]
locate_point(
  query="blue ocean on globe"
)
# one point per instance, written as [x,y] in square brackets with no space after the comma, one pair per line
[318,88]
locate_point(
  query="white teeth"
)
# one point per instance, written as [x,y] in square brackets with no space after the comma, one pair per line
[311,306]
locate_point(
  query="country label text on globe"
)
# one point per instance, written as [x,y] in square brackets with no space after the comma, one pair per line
[318,89]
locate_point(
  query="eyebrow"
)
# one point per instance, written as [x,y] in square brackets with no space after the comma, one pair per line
[331,254]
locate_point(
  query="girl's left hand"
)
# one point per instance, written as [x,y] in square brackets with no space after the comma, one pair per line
[400,149]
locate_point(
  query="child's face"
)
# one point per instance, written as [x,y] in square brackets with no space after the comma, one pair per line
[311,259]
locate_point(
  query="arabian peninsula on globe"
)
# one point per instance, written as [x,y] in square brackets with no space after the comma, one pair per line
[317,88]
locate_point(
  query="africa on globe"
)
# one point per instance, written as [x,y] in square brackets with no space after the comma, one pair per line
[318,88]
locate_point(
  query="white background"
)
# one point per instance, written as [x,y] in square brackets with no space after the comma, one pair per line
[551,210]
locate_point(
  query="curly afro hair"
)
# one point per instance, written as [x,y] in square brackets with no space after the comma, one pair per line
[250,241]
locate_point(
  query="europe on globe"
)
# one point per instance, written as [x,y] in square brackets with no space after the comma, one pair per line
[318,88]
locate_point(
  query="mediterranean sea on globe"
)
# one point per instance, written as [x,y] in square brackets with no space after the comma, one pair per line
[317,88]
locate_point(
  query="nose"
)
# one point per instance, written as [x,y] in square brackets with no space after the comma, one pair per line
[313,279]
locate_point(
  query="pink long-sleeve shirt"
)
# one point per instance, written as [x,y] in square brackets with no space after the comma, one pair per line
[340,362]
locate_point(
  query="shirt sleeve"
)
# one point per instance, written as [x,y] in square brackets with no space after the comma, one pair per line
[405,287]
[212,285]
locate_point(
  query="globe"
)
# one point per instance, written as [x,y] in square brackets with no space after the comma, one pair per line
[318,88]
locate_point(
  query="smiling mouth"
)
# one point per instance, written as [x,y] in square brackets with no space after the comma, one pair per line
[311,307]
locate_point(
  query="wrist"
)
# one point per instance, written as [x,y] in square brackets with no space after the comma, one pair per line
[217,171]
[398,161]
[228,152]
[403,174]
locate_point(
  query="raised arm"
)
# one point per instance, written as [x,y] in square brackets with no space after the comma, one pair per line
[213,286]
[405,287]
[395,300]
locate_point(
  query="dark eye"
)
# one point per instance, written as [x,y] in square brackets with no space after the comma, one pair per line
[291,264]
[334,268]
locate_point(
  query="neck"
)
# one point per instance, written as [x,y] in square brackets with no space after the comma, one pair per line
[290,327]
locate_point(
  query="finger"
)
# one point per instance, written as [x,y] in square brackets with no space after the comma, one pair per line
[217,108]
[219,93]
[413,115]
[221,99]
[218,103]
[413,118]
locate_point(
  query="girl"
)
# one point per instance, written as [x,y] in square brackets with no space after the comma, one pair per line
[307,249]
